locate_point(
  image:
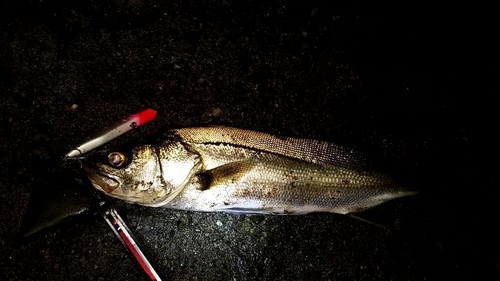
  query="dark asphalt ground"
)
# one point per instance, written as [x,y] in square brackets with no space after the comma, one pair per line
[411,84]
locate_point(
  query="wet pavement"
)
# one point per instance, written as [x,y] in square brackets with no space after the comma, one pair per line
[397,82]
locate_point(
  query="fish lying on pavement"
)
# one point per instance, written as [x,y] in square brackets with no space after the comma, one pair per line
[222,169]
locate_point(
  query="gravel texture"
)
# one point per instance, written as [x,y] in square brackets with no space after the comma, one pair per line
[410,84]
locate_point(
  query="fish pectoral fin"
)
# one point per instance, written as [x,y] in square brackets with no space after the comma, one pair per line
[225,174]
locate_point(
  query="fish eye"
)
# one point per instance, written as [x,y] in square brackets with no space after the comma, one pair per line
[117,159]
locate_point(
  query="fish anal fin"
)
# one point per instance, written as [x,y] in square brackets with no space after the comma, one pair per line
[225,174]
[361,218]
[383,215]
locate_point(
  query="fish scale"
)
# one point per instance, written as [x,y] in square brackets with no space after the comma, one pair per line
[304,149]
[277,184]
[221,169]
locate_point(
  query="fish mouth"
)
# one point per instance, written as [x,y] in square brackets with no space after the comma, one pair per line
[102,180]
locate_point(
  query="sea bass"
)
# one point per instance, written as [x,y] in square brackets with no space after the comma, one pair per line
[222,169]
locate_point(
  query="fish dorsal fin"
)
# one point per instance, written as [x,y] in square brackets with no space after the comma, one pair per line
[225,174]
[304,149]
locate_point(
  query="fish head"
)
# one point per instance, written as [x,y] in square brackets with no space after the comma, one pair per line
[145,174]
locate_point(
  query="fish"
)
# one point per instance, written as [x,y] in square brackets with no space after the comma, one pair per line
[224,169]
